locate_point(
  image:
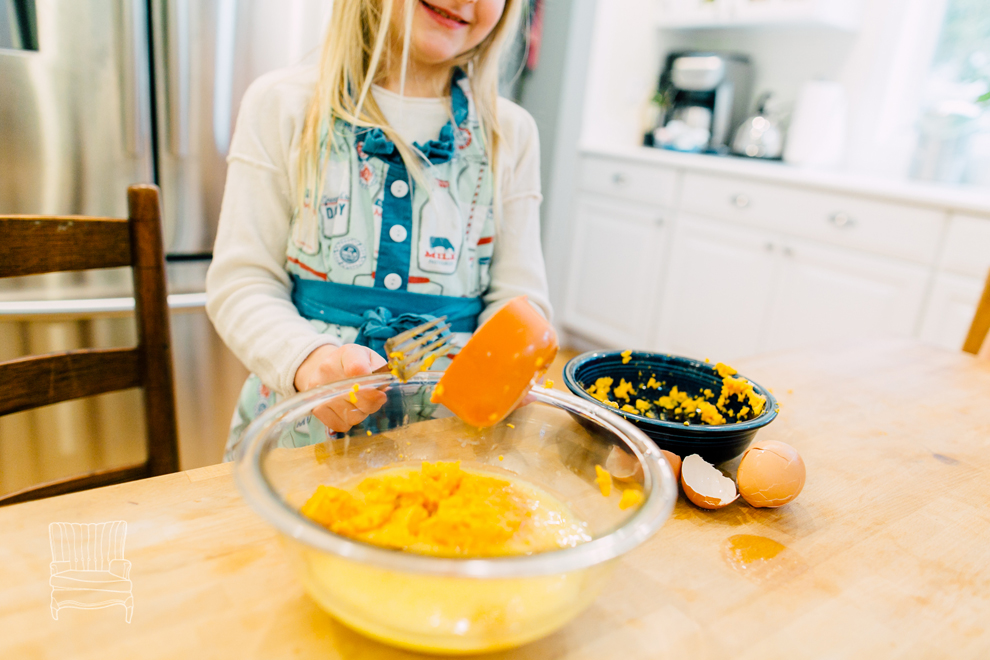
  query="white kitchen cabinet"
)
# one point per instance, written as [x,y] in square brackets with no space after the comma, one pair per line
[718,289]
[848,221]
[827,294]
[616,260]
[951,307]
[842,14]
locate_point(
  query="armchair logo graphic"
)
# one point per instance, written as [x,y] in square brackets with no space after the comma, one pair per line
[88,569]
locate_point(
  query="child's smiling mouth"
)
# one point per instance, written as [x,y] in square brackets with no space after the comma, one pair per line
[444,16]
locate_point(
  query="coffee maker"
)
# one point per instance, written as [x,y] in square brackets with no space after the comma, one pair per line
[706,95]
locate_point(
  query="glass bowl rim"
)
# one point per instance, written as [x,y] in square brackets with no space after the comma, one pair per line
[768,415]
[658,487]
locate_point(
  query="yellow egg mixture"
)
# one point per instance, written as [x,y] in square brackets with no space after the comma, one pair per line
[679,406]
[441,509]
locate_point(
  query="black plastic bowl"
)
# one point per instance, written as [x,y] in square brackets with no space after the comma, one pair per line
[716,444]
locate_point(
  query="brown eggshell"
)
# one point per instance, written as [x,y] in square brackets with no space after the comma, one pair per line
[770,474]
[675,463]
[704,485]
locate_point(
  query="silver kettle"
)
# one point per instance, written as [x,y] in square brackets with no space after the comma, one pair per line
[759,136]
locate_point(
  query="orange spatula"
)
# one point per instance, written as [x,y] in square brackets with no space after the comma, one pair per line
[498,365]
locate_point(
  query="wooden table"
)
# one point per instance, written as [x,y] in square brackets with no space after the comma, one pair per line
[886,553]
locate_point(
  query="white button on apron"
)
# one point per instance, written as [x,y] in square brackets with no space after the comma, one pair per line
[393,281]
[400,188]
[397,233]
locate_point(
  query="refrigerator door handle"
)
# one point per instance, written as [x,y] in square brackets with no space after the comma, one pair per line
[88,308]
[131,28]
[177,75]
[223,76]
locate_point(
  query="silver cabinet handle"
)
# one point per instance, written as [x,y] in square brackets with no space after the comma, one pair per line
[788,252]
[740,201]
[49,310]
[842,220]
[620,179]
[769,246]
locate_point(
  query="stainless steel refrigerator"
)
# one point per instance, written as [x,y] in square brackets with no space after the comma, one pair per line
[95,95]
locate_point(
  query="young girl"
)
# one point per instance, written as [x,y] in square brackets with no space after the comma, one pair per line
[387,187]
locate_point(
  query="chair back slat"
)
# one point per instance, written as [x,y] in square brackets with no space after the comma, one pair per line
[33,381]
[107,241]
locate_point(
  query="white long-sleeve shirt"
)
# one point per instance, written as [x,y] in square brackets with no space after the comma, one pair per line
[247,286]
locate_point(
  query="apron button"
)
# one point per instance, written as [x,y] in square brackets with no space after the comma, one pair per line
[400,188]
[393,281]
[397,233]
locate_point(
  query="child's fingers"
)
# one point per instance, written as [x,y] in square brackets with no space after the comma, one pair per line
[326,414]
[369,400]
[354,361]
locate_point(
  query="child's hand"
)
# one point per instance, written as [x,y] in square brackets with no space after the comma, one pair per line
[329,364]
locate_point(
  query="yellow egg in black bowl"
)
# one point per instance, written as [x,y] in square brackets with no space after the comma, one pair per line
[652,376]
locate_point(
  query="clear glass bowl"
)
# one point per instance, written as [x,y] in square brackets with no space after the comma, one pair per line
[451,605]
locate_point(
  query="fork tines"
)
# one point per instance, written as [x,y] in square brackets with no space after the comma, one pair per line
[414,350]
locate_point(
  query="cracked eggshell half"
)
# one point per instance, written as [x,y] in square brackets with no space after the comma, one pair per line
[705,485]
[770,474]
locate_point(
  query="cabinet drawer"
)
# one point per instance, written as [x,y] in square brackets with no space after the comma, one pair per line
[893,230]
[651,184]
[967,246]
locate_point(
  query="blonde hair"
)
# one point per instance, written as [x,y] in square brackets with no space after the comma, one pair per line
[355,55]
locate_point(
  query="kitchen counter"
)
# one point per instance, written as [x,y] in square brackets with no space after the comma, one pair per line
[884,554]
[969,199]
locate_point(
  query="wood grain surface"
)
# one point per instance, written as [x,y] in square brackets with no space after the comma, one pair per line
[107,244]
[886,553]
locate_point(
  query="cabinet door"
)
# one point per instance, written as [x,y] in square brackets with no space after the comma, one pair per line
[829,294]
[950,310]
[693,13]
[718,290]
[616,258]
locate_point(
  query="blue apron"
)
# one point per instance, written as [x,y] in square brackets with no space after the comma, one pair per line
[376,253]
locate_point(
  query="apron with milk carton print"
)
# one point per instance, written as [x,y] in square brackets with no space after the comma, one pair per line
[378,253]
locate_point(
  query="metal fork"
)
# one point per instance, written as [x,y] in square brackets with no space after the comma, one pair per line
[416,349]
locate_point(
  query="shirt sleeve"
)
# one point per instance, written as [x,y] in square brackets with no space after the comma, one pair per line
[517,266]
[247,286]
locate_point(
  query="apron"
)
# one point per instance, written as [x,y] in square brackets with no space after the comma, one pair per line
[377,253]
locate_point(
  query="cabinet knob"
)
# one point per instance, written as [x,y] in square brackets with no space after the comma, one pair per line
[769,246]
[620,179]
[740,201]
[788,252]
[841,220]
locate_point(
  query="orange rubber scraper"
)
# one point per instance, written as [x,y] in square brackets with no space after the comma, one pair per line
[498,365]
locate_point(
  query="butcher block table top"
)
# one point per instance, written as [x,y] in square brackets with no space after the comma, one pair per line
[886,553]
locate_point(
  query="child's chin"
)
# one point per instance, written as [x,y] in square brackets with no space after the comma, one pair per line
[437,51]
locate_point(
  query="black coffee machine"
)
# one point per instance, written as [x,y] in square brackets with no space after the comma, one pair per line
[702,92]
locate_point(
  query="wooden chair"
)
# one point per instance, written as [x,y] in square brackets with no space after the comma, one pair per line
[981,322]
[31,245]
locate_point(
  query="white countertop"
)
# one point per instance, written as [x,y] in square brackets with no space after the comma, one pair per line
[966,199]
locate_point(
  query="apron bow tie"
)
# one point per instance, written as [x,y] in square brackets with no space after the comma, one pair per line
[379,325]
